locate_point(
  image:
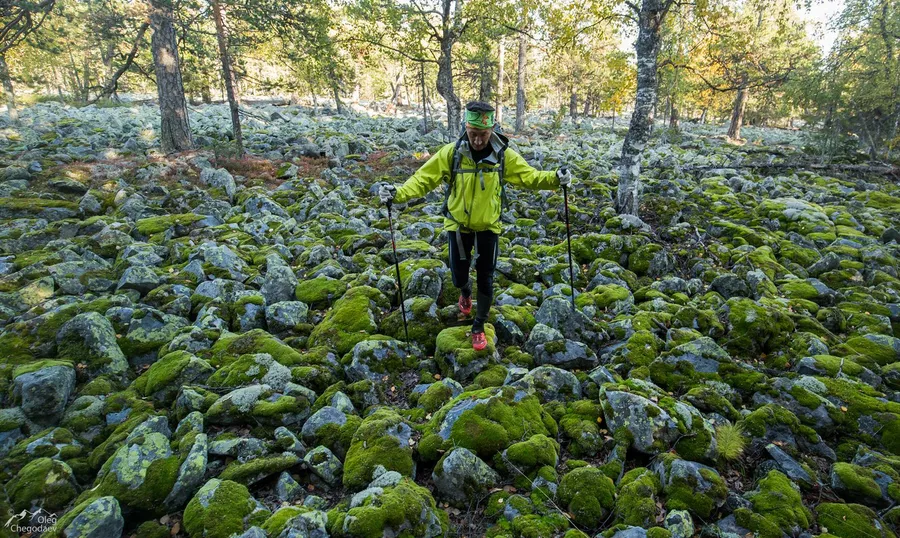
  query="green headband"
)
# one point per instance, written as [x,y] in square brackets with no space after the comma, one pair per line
[480,120]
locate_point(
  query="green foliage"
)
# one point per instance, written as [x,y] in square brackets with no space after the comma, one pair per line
[731,441]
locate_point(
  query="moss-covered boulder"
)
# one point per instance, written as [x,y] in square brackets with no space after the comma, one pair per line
[455,356]
[778,500]
[90,339]
[220,509]
[851,521]
[485,421]
[260,404]
[690,486]
[754,328]
[165,377]
[91,518]
[652,422]
[460,477]
[872,487]
[43,483]
[580,426]
[256,368]
[399,509]
[423,321]
[353,319]
[383,439]
[637,498]
[771,423]
[380,361]
[588,494]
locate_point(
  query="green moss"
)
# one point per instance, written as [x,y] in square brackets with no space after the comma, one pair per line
[589,495]
[494,422]
[320,292]
[228,503]
[155,225]
[851,521]
[436,395]
[277,521]
[253,470]
[43,482]
[859,481]
[454,353]
[771,415]
[491,377]
[405,510]
[684,493]
[374,444]
[152,529]
[352,320]
[636,503]
[233,346]
[778,500]
[529,456]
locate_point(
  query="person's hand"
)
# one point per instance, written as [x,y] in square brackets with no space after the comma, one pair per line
[564,175]
[387,193]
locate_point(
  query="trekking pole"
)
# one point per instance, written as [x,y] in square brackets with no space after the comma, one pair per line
[569,244]
[397,267]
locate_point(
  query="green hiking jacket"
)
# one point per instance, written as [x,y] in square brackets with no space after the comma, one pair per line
[474,202]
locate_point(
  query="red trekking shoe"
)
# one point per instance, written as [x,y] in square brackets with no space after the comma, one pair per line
[479,342]
[465,305]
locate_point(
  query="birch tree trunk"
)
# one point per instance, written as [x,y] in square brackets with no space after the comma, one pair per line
[500,65]
[175,130]
[228,75]
[650,17]
[520,83]
[8,90]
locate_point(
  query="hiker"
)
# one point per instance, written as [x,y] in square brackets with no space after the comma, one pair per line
[472,167]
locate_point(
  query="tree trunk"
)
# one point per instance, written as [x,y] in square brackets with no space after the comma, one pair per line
[703,116]
[647,46]
[573,105]
[500,65]
[175,129]
[228,75]
[520,82]
[445,86]
[424,98]
[336,93]
[8,90]
[737,114]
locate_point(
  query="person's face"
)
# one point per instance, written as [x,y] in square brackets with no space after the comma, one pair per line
[478,138]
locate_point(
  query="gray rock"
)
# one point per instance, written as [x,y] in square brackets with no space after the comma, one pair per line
[789,466]
[44,393]
[652,428]
[551,383]
[220,178]
[679,523]
[190,474]
[729,285]
[94,334]
[140,278]
[100,519]
[321,418]
[279,285]
[461,476]
[325,465]
[287,489]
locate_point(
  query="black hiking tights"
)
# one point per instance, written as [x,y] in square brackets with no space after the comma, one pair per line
[485,263]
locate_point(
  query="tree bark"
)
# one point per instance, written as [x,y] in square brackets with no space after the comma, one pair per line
[175,129]
[445,86]
[500,65]
[424,98]
[737,114]
[650,18]
[8,90]
[228,75]
[573,105]
[520,82]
